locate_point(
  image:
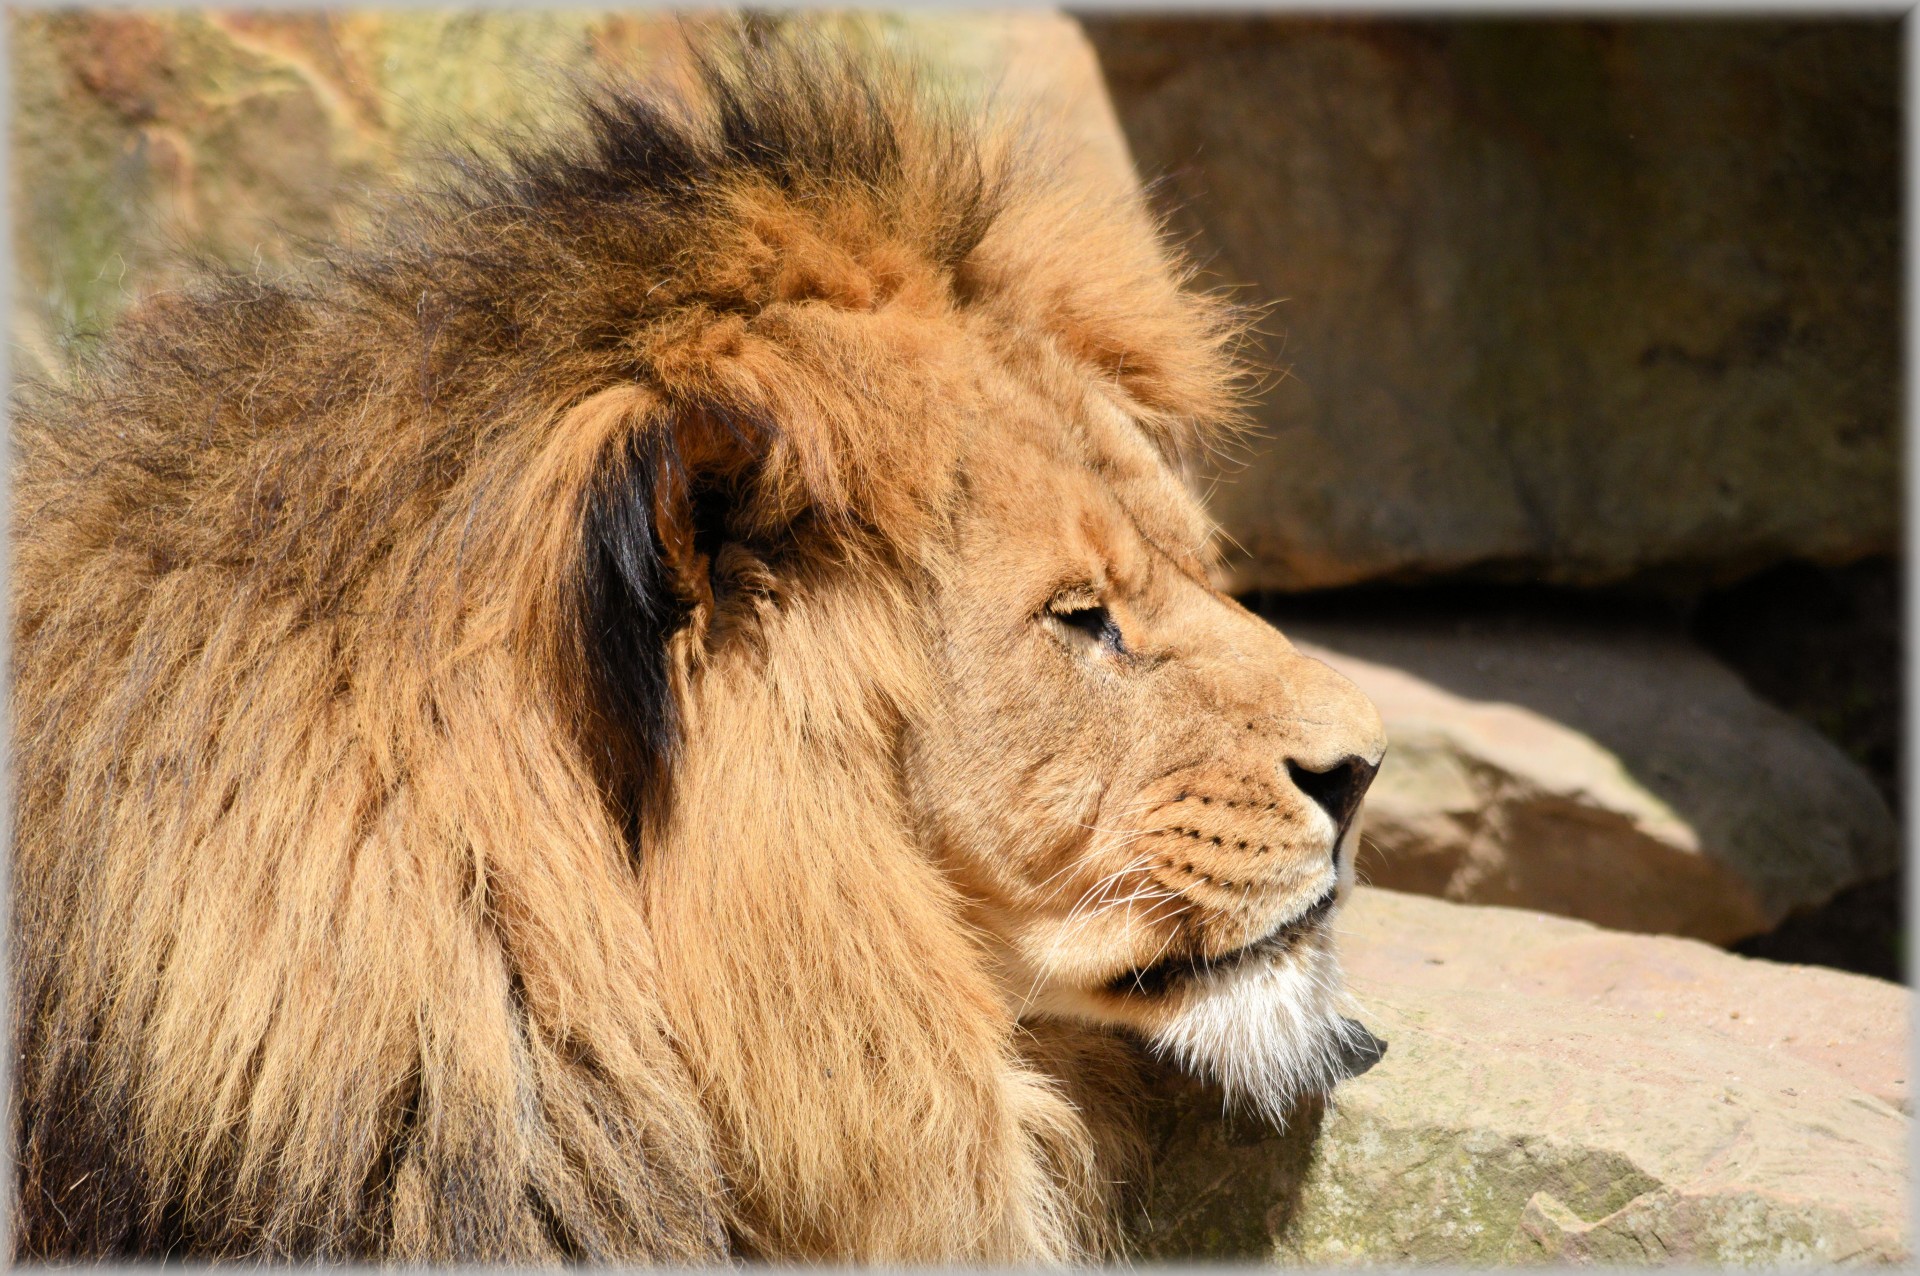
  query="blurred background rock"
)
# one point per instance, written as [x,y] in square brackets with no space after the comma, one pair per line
[1557,301]
[1579,450]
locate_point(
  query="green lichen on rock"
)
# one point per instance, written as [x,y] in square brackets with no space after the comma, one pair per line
[1735,1230]
[1378,1193]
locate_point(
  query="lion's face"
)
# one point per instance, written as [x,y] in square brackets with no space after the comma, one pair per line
[1148,795]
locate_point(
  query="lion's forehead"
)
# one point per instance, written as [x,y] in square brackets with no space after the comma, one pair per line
[1086,473]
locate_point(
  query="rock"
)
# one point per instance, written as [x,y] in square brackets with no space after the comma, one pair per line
[1852,1027]
[1597,768]
[1563,301]
[143,139]
[1555,1093]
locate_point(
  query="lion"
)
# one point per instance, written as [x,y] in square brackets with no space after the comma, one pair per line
[667,706]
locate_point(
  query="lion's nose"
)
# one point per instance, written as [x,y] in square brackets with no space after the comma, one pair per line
[1337,789]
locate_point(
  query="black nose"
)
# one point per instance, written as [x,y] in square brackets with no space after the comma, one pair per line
[1337,790]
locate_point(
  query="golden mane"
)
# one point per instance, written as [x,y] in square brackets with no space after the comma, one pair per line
[454,695]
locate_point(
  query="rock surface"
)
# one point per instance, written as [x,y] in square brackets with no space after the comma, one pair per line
[1557,1093]
[1557,300]
[1596,768]
[143,138]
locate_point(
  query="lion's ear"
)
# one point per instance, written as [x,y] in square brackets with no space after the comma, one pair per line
[664,496]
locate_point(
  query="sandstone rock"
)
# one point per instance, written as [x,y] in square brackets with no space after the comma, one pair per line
[1599,769]
[1557,1093]
[143,139]
[1558,300]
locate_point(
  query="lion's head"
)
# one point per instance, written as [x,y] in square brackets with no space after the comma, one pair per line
[589,729]
[1146,794]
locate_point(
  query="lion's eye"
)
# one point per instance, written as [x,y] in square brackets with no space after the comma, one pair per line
[1093,624]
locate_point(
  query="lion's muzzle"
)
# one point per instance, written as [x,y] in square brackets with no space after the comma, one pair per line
[1167,973]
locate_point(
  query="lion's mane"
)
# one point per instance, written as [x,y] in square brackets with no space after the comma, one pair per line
[354,617]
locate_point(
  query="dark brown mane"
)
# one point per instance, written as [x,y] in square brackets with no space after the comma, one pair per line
[352,620]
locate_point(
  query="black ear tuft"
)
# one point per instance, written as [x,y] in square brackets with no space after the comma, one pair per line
[631,611]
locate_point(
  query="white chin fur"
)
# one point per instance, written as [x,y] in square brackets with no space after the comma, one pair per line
[1268,1032]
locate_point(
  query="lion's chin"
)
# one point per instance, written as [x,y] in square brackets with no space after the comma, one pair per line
[1269,1032]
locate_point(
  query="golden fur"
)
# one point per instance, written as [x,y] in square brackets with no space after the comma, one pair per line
[672,709]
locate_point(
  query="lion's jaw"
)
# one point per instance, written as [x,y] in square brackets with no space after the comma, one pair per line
[1270,1023]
